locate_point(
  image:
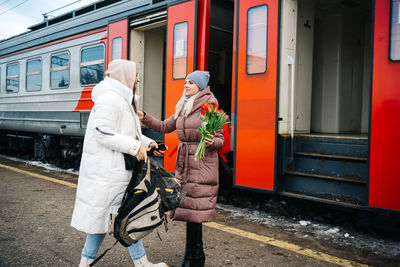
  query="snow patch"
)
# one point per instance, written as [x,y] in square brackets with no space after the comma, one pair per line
[47,166]
[332,231]
[305,223]
[319,231]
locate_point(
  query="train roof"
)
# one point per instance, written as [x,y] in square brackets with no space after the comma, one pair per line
[96,15]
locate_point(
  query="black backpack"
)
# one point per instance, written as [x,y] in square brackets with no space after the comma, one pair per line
[141,210]
[150,193]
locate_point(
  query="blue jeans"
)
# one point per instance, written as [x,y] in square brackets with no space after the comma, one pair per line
[93,242]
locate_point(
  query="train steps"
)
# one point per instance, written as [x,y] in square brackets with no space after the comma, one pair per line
[327,168]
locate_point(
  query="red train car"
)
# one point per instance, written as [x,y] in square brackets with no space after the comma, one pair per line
[312,86]
[314,95]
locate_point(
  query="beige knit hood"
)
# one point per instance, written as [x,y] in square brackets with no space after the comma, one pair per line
[123,71]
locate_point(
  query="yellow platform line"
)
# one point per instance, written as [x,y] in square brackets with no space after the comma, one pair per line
[39,176]
[285,245]
[264,239]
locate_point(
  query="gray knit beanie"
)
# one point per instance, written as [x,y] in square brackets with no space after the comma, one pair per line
[200,78]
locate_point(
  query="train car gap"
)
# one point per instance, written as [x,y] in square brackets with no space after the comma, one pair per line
[220,68]
[220,52]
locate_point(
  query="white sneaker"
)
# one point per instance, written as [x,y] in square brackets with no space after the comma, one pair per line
[85,262]
[144,262]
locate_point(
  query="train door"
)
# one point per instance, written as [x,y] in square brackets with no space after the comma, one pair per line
[180,61]
[384,182]
[254,86]
[117,40]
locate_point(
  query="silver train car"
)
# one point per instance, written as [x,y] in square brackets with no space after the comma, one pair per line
[47,74]
[41,88]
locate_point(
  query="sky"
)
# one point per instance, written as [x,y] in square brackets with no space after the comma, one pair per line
[17,15]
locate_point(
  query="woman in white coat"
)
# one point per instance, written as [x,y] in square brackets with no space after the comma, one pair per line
[113,129]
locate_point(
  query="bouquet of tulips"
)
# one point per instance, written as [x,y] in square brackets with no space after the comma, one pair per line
[212,119]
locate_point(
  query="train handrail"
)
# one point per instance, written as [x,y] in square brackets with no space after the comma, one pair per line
[290,62]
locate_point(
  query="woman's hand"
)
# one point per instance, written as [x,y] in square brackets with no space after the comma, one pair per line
[140,115]
[156,152]
[142,154]
[210,139]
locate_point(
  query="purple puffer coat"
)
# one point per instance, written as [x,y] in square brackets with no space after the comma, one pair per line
[199,178]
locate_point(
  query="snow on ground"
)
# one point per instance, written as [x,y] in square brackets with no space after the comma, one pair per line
[326,232]
[47,166]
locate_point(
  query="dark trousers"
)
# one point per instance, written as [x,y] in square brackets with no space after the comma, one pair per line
[194,254]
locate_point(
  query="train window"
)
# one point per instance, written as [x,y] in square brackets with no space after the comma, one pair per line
[33,75]
[116,48]
[12,78]
[257,29]
[394,44]
[180,50]
[92,65]
[59,71]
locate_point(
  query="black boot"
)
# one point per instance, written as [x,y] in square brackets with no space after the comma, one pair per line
[194,254]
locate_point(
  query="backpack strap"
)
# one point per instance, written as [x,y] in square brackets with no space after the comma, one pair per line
[102,255]
[133,182]
[144,183]
[111,225]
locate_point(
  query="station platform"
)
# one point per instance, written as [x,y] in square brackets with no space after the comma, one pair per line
[37,204]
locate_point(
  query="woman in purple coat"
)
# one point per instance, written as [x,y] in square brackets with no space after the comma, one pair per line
[199,178]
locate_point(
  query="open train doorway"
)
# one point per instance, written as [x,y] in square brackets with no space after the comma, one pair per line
[333,62]
[325,91]
[147,49]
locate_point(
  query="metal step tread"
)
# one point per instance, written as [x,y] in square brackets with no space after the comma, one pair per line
[349,179]
[354,204]
[332,156]
[336,136]
[356,140]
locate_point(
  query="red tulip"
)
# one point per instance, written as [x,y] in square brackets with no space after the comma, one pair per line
[212,120]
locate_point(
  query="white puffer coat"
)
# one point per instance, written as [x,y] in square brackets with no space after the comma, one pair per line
[113,129]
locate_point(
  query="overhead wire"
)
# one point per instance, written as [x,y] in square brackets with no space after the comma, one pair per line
[11,8]
[44,14]
[4,2]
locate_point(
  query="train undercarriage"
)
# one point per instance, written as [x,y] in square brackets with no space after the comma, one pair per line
[63,151]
